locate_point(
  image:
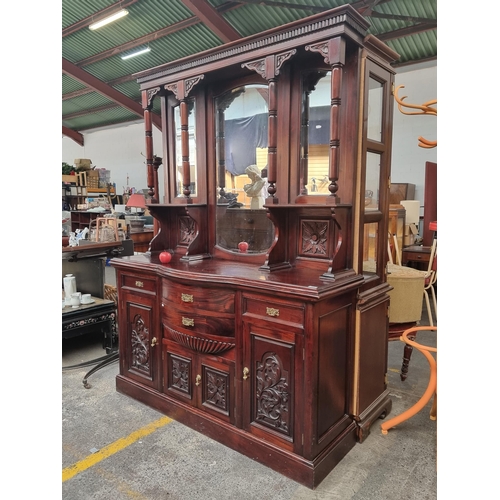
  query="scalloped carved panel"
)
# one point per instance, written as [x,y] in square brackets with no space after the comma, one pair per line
[199,344]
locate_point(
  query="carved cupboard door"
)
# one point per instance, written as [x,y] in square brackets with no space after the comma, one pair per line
[203,381]
[271,388]
[140,359]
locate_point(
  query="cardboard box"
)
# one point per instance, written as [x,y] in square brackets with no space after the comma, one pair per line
[82,163]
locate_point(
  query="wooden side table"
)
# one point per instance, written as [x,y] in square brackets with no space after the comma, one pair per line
[418,255]
[141,240]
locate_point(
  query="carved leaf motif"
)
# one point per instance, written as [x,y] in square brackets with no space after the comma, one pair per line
[140,344]
[216,390]
[314,237]
[180,375]
[272,393]
[187,230]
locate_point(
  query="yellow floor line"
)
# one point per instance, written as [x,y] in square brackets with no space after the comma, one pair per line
[113,448]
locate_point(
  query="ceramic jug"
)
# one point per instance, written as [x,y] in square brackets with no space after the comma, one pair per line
[69,287]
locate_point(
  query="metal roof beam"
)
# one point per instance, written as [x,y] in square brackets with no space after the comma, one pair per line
[212,19]
[99,86]
[410,30]
[73,134]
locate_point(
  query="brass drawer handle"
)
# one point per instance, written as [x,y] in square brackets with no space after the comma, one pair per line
[198,379]
[139,284]
[153,341]
[185,297]
[246,372]
[272,312]
[187,321]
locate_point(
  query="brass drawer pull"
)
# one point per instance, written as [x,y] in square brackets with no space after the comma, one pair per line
[139,284]
[185,297]
[198,379]
[153,341]
[187,321]
[246,372]
[272,312]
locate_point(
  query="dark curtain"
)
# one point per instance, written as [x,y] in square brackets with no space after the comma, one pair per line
[242,137]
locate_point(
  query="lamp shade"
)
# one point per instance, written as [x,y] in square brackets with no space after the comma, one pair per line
[137,201]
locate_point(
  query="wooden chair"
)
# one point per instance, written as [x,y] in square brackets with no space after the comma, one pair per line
[430,280]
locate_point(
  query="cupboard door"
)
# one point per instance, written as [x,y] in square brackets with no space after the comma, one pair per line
[206,382]
[269,383]
[139,355]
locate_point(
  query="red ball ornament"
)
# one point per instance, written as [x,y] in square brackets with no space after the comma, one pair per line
[165,257]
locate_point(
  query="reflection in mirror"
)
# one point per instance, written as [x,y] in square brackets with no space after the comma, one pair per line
[372,181]
[315,133]
[375,96]
[370,238]
[178,148]
[241,124]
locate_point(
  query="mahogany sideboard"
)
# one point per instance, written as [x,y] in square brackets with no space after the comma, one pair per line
[267,330]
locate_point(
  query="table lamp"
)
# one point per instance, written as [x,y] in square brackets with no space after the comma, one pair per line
[136,201]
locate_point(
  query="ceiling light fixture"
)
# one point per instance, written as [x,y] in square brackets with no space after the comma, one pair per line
[138,53]
[109,19]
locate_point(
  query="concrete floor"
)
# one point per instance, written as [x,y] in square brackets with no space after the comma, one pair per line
[176,463]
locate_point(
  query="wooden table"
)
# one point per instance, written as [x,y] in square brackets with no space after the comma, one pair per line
[87,318]
[141,240]
[416,254]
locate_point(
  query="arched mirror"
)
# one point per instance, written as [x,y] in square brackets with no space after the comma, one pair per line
[241,123]
[315,133]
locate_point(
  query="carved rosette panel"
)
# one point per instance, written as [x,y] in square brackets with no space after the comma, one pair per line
[199,344]
[273,398]
[140,345]
[187,230]
[314,238]
[216,390]
[179,374]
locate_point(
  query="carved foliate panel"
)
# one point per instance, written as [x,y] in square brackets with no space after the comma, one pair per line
[187,230]
[314,238]
[216,389]
[139,339]
[179,374]
[272,393]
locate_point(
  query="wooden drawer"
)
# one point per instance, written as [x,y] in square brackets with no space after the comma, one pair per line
[138,283]
[274,309]
[198,322]
[198,299]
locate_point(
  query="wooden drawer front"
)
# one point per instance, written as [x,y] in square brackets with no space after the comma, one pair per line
[272,309]
[139,283]
[198,299]
[198,322]
[424,257]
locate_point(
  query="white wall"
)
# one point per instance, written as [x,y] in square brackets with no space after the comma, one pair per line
[408,159]
[120,149]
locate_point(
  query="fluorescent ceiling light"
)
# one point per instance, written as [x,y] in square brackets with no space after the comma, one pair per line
[109,19]
[138,53]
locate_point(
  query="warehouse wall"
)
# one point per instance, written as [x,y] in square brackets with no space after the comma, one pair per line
[121,149]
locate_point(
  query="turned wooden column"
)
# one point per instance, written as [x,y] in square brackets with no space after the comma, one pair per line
[152,176]
[269,69]
[181,91]
[333,52]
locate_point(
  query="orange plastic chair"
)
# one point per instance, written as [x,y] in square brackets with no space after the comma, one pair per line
[431,387]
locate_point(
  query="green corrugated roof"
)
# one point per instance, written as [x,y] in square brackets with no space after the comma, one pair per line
[146,17]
